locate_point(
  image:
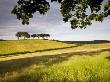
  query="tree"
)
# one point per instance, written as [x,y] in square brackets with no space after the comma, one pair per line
[33,35]
[42,36]
[18,35]
[47,35]
[37,35]
[24,34]
[74,11]
[28,36]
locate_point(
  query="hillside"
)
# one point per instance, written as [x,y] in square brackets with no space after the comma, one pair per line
[30,46]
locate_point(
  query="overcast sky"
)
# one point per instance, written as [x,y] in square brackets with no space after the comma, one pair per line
[50,23]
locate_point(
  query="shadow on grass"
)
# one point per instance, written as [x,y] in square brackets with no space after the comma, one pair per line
[108,57]
[25,52]
[46,60]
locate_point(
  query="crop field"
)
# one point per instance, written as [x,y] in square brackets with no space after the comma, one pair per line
[53,61]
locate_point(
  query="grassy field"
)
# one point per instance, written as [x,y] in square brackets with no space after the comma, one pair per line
[58,62]
[30,46]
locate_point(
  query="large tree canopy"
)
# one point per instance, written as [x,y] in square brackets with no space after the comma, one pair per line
[79,13]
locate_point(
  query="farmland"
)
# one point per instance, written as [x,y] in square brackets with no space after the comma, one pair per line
[53,61]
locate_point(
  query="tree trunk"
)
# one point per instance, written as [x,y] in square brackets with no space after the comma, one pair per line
[38,37]
[24,38]
[18,38]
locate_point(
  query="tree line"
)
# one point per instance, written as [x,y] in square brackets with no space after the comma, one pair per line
[26,35]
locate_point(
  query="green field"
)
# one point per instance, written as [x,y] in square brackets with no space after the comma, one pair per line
[52,61]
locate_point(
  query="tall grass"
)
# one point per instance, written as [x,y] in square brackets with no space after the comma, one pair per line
[80,67]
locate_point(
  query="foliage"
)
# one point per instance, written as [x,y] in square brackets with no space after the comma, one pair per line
[25,8]
[22,34]
[34,35]
[18,34]
[75,11]
[40,35]
[43,35]
[28,36]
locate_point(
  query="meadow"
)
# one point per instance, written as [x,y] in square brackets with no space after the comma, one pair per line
[55,62]
[29,46]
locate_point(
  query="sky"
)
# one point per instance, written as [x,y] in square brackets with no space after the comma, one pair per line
[51,23]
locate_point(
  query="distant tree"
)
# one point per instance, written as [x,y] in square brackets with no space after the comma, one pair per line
[37,35]
[24,34]
[34,35]
[18,35]
[28,36]
[47,35]
[43,36]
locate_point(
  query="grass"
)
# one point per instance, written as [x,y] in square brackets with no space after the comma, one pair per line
[73,67]
[83,63]
[29,46]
